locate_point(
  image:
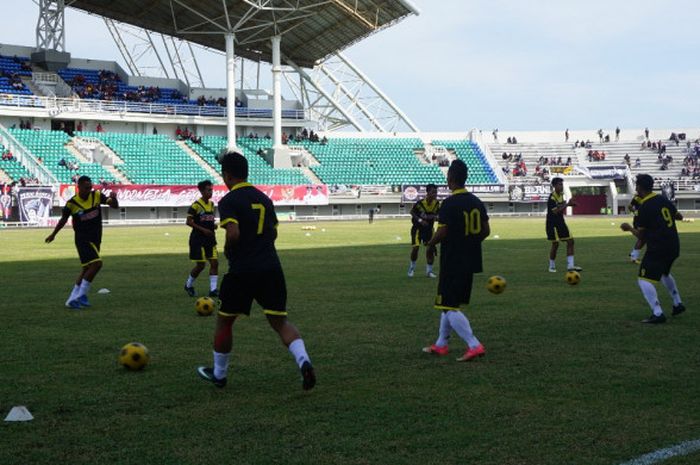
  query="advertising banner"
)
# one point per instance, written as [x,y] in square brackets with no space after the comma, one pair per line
[141,195]
[415,192]
[607,171]
[530,192]
[34,204]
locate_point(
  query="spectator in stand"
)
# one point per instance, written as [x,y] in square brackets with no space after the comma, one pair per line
[509,141]
[617,134]
[80,126]
[600,136]
[568,161]
[646,133]
[638,163]
[566,136]
[99,128]
[495,135]
[628,160]
[178,133]
[21,124]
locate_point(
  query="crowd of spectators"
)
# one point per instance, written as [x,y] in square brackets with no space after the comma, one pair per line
[305,134]
[186,134]
[596,155]
[69,165]
[691,162]
[581,144]
[8,156]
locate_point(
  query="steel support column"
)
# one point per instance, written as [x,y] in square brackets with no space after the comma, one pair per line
[276,93]
[230,92]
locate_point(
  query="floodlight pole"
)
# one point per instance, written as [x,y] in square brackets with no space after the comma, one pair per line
[230,92]
[276,93]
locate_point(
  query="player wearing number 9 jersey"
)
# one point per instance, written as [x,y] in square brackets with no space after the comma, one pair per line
[462,226]
[656,224]
[255,273]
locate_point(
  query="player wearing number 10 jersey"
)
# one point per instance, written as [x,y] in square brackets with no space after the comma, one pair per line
[255,273]
[462,226]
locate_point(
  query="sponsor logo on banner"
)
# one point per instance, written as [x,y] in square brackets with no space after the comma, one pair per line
[138,195]
[415,192]
[529,192]
[607,171]
[34,204]
[5,201]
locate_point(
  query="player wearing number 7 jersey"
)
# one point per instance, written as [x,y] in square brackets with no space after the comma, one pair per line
[462,225]
[255,272]
[656,224]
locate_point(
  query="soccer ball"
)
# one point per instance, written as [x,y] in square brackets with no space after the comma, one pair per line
[496,284]
[204,306]
[134,356]
[573,277]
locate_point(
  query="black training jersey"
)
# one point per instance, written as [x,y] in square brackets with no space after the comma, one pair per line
[425,210]
[202,214]
[555,201]
[255,215]
[463,214]
[657,215]
[634,209]
[86,215]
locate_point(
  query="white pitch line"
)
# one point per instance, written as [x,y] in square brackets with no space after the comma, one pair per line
[684,448]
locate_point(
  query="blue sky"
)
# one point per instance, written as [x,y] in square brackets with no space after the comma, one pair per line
[515,65]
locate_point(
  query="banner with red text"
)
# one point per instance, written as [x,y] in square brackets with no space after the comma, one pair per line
[141,195]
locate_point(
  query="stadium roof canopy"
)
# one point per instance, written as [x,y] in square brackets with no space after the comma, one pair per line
[311,29]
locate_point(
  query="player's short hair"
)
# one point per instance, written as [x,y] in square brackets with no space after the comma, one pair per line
[646,182]
[235,164]
[556,181]
[83,179]
[204,184]
[458,172]
[430,187]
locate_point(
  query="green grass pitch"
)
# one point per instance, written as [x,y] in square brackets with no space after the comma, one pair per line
[571,376]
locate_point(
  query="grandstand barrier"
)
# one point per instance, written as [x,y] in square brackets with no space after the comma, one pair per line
[56,106]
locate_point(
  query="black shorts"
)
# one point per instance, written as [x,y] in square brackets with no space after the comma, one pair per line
[454,289]
[89,252]
[421,235]
[558,232]
[267,288]
[201,251]
[654,266]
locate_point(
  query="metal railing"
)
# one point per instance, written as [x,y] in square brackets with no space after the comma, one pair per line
[56,106]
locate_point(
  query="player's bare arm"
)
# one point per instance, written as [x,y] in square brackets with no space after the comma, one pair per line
[207,232]
[637,232]
[439,235]
[485,230]
[61,223]
[112,200]
[233,234]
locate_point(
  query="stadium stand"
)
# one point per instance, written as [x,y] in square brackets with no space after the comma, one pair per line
[151,159]
[260,170]
[12,167]
[11,71]
[50,147]
[532,155]
[371,161]
[480,171]
[650,163]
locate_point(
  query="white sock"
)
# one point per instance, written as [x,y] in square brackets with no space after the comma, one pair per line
[444,333]
[635,254]
[670,284]
[428,268]
[220,364]
[74,293]
[412,266]
[552,263]
[460,324]
[299,352]
[84,287]
[190,281]
[649,292]
[570,261]
[213,281]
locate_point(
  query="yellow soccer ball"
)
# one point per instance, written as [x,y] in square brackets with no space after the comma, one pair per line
[134,356]
[496,284]
[573,277]
[204,306]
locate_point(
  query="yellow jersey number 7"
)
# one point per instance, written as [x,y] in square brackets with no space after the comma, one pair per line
[261,220]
